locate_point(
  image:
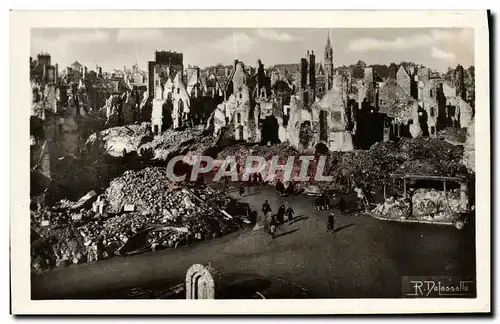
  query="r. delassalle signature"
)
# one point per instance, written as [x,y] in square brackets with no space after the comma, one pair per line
[431,288]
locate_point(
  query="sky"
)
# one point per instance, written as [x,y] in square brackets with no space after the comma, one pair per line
[114,48]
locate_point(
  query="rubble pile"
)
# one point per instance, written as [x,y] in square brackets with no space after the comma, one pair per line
[283,151]
[407,156]
[242,150]
[127,138]
[426,204]
[173,142]
[453,135]
[436,203]
[393,208]
[70,234]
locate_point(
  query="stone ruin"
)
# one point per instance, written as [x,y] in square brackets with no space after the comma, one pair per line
[199,283]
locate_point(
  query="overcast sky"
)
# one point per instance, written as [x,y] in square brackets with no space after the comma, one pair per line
[116,47]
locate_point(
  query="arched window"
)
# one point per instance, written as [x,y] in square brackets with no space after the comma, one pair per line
[241,96]
[432,111]
[239,118]
[178,90]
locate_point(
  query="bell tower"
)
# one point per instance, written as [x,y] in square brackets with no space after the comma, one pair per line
[328,61]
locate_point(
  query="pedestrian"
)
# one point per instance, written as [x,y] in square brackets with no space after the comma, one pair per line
[326,202]
[250,216]
[362,196]
[280,187]
[342,205]
[242,189]
[281,214]
[259,178]
[331,222]
[317,203]
[253,179]
[289,213]
[266,207]
[273,225]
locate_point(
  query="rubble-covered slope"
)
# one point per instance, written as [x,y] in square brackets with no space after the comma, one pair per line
[117,140]
[62,236]
[187,142]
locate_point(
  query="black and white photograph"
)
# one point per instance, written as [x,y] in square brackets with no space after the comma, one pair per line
[298,163]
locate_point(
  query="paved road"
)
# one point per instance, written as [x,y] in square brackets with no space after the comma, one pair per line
[365,257]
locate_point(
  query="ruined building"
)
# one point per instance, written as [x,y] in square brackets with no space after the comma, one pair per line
[180,99]
[256,113]
[323,72]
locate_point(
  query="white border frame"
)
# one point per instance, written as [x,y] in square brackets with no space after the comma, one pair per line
[22,21]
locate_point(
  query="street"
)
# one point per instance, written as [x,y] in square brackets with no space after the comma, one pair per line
[363,257]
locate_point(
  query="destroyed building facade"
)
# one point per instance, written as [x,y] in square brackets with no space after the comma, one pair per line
[180,98]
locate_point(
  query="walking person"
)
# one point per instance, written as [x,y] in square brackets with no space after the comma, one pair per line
[280,187]
[342,205]
[331,222]
[258,178]
[289,213]
[281,214]
[273,224]
[242,189]
[362,196]
[266,207]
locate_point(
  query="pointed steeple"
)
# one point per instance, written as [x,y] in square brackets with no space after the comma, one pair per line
[328,43]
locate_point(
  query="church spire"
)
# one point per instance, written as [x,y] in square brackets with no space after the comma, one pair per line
[328,61]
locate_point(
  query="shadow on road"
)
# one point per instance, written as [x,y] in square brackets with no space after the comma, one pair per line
[286,233]
[247,194]
[343,227]
[298,219]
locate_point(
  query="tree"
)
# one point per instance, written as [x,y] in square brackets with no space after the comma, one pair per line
[361,64]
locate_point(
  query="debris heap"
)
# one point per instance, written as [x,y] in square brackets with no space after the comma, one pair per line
[174,142]
[424,204]
[169,214]
[117,140]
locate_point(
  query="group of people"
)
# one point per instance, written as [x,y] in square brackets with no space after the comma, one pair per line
[282,190]
[283,215]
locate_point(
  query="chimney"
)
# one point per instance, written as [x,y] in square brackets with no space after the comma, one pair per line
[56,73]
[303,73]
[67,70]
[312,73]
[151,71]
[44,75]
[85,71]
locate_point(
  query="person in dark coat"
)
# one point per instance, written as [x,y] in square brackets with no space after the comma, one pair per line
[255,180]
[273,224]
[342,205]
[242,189]
[266,207]
[259,178]
[289,213]
[281,214]
[331,222]
[280,187]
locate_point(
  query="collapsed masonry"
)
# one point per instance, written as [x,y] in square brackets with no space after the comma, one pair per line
[344,115]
